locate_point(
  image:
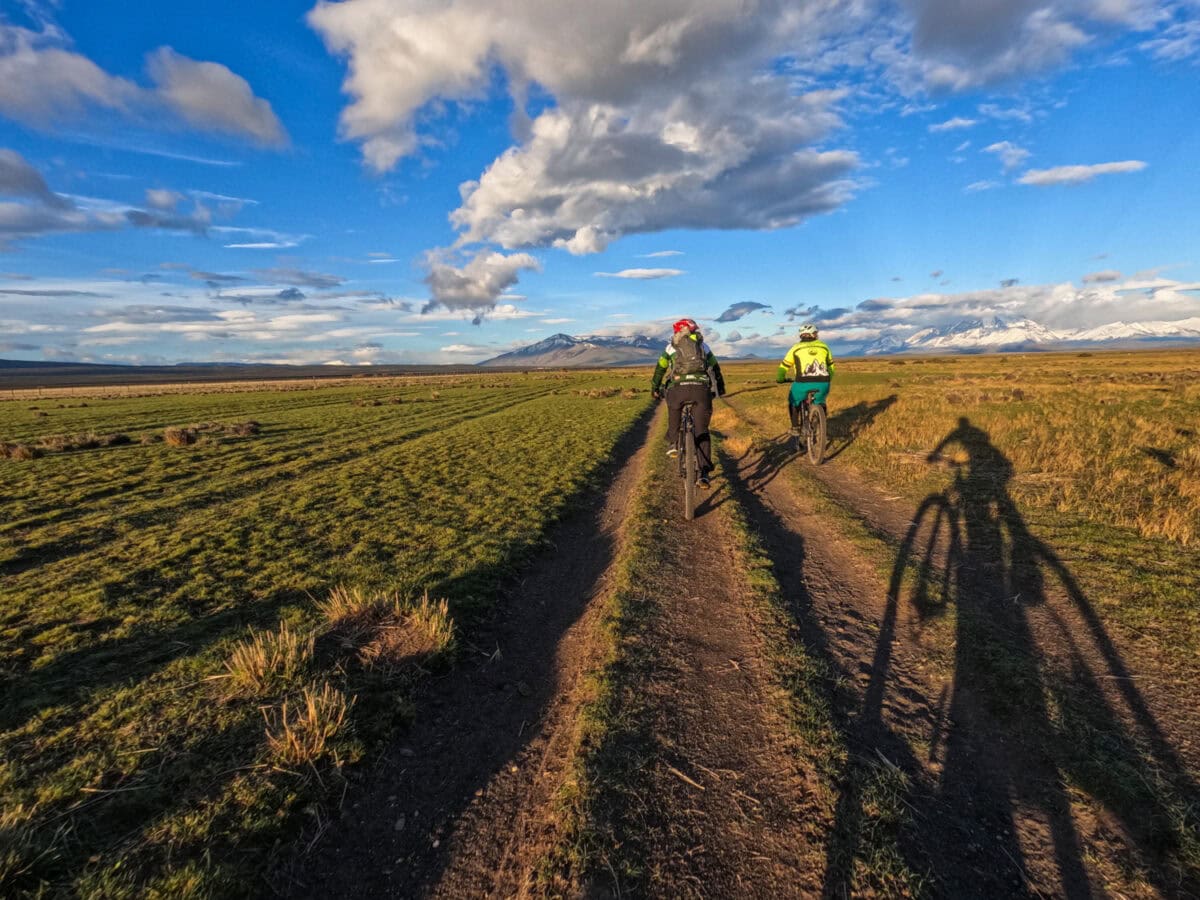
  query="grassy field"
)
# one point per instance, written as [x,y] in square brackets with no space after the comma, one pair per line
[1099,452]
[1076,479]
[215,600]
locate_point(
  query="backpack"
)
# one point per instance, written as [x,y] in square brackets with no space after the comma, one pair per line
[689,361]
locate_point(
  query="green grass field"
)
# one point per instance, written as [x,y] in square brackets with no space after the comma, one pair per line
[144,750]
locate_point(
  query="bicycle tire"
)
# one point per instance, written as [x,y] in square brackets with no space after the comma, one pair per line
[689,475]
[817,437]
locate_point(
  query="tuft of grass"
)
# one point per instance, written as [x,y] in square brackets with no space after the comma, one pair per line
[410,633]
[177,436]
[268,663]
[302,732]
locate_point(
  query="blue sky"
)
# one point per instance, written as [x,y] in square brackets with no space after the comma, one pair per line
[377,181]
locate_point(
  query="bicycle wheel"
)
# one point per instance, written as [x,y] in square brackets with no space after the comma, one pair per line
[816,434]
[689,474]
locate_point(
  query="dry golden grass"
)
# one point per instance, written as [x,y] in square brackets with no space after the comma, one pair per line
[267,663]
[411,634]
[301,732]
[176,436]
[389,633]
[1111,437]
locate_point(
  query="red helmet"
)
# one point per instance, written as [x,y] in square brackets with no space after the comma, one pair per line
[686,325]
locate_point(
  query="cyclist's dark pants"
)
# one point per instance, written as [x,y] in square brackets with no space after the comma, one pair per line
[680,394]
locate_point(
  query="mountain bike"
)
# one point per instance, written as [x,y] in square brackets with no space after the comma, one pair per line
[813,437]
[689,464]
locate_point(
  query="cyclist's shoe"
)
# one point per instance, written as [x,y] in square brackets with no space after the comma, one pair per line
[704,482]
[672,452]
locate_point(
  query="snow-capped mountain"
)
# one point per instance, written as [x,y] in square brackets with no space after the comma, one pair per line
[995,333]
[581,352]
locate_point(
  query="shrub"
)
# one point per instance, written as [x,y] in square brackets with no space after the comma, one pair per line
[244,429]
[179,437]
[267,663]
[19,451]
[301,733]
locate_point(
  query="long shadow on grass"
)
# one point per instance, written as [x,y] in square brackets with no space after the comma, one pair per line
[847,842]
[71,678]
[1020,726]
[847,424]
[396,835]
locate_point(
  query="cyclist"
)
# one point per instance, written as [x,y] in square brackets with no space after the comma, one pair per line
[690,370]
[811,365]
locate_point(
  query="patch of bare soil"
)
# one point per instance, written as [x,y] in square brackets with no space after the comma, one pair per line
[462,805]
[725,809]
[1046,756]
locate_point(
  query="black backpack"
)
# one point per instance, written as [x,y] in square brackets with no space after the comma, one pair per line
[689,357]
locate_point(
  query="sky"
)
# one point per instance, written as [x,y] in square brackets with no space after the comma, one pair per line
[414,181]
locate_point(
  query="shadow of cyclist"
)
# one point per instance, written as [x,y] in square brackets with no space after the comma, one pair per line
[1028,712]
[847,424]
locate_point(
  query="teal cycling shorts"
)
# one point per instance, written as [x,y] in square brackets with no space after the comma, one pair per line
[800,390]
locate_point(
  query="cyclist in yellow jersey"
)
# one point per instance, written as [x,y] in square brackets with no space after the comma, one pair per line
[810,365]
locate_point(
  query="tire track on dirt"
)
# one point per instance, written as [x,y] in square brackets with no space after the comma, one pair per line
[463,804]
[720,805]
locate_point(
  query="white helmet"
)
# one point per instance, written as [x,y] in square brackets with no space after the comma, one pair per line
[808,331]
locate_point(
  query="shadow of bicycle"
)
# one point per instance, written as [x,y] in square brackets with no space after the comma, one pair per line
[1041,710]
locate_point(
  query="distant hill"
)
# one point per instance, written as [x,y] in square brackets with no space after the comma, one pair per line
[563,350]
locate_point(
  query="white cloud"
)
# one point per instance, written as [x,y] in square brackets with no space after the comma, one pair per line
[1011,156]
[477,284]
[955,124]
[210,97]
[661,254]
[43,82]
[1078,174]
[642,274]
[976,186]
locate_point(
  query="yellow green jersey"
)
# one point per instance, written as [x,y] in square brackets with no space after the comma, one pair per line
[807,361]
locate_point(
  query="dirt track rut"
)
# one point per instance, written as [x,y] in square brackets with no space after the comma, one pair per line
[462,805]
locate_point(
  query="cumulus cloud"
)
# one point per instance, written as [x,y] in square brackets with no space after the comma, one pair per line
[670,115]
[44,82]
[476,285]
[1011,156]
[739,310]
[1078,174]
[642,274]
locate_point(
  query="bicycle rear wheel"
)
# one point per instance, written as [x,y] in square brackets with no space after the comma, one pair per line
[689,475]
[816,434]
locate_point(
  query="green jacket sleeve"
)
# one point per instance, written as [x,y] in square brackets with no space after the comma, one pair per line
[659,371]
[829,362]
[781,375]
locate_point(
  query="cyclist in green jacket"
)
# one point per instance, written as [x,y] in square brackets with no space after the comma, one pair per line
[691,371]
[811,366]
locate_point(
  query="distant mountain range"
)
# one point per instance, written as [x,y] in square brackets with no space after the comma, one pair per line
[982,335]
[582,352]
[966,336]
